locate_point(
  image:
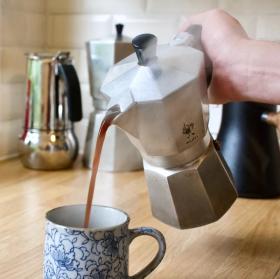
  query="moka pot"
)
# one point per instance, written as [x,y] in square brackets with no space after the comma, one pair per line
[162,99]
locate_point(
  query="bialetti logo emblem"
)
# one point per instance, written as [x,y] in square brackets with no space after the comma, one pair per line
[188,131]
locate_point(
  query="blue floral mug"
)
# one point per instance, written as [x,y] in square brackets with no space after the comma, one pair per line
[98,252]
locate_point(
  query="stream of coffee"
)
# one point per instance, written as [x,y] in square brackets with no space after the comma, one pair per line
[107,121]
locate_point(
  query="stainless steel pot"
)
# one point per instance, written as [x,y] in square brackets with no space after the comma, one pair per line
[53,103]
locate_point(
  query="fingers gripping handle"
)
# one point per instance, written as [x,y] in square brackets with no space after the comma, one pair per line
[192,37]
[158,257]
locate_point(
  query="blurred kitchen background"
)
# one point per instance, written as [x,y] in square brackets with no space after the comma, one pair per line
[51,25]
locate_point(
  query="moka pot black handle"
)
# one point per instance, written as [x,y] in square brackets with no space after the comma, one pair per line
[72,87]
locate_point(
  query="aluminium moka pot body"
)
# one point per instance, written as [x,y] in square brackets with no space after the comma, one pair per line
[118,154]
[162,99]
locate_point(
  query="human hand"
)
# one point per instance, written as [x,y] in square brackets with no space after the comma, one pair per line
[225,42]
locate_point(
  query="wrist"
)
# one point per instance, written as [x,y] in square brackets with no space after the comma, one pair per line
[235,71]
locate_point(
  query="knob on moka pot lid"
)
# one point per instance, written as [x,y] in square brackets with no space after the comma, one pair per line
[147,86]
[153,73]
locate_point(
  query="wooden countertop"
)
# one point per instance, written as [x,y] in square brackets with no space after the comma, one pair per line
[245,243]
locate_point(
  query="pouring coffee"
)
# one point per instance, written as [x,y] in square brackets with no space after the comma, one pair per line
[162,96]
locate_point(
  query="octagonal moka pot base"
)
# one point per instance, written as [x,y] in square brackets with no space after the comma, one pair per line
[190,197]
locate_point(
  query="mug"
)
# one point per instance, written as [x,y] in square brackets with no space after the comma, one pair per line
[98,252]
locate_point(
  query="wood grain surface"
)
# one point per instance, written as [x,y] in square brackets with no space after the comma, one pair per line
[245,243]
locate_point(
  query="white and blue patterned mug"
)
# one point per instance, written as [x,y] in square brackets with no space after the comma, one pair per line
[98,252]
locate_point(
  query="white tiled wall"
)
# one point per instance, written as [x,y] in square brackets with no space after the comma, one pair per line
[250,6]
[96,7]
[163,27]
[53,25]
[67,31]
[268,27]
[11,101]
[28,6]
[180,6]
[22,29]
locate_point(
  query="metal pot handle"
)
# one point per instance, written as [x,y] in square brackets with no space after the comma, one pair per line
[72,87]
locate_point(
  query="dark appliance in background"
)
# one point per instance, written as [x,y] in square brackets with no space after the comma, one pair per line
[251,149]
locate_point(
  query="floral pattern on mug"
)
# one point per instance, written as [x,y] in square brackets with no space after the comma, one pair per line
[75,254]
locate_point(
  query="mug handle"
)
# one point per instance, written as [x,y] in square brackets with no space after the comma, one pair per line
[158,236]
